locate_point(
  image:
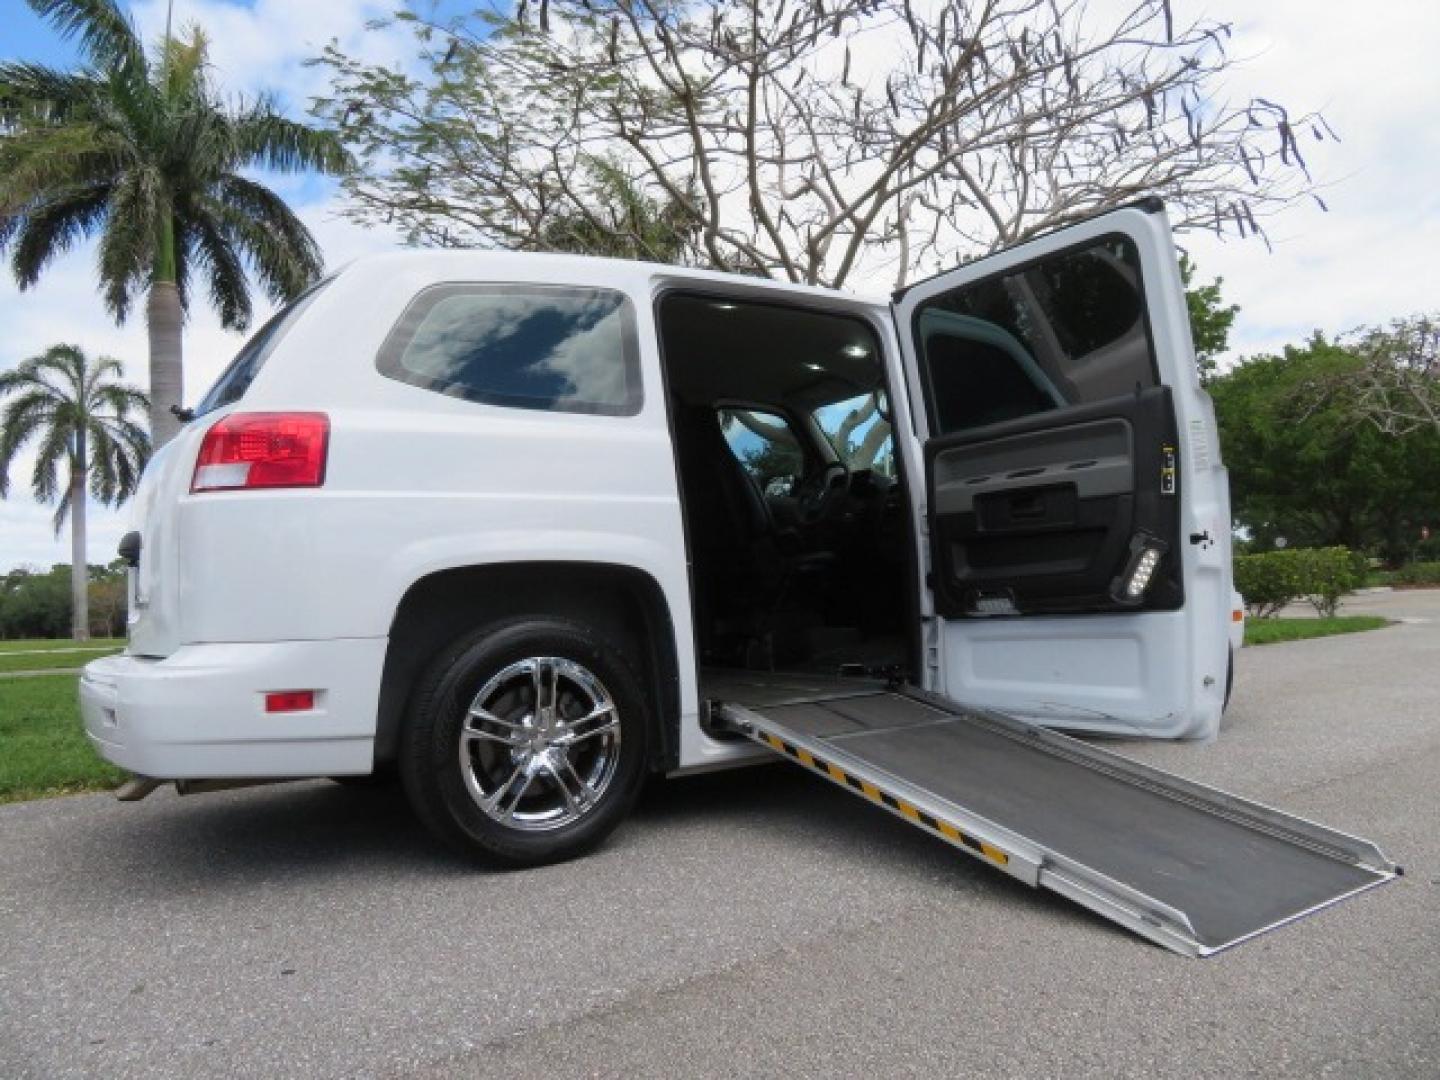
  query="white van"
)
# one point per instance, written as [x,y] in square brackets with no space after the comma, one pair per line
[530,527]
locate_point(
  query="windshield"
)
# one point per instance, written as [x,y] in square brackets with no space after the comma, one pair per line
[860,432]
[236,378]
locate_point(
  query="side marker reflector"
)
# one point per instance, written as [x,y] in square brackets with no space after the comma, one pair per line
[290,701]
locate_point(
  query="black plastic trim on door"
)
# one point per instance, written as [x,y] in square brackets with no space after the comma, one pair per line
[1041,515]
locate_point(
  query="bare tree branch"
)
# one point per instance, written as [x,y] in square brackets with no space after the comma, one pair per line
[814,140]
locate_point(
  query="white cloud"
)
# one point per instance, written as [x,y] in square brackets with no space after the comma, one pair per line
[264,46]
[1372,257]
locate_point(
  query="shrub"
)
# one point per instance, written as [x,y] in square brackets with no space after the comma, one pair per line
[1319,575]
[1416,574]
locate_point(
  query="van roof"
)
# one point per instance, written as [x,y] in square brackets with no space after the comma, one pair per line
[444,261]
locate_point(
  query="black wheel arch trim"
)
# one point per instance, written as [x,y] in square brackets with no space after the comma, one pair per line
[616,599]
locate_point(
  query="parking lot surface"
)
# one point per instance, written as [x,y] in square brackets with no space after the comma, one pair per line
[752,923]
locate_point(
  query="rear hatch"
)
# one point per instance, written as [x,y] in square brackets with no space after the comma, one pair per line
[154,627]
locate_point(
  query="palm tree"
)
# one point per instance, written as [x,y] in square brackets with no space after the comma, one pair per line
[81,417]
[142,152]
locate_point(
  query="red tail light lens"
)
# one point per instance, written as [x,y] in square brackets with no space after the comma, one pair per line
[263,450]
[290,701]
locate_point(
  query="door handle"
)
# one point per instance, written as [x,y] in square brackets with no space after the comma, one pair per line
[1027,506]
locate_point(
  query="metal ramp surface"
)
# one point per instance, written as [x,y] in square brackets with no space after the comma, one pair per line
[1184,865]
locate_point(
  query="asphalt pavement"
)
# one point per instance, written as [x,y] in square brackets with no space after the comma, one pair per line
[752,923]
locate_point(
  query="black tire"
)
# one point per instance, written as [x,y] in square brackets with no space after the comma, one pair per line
[445,786]
[1229,678]
[382,777]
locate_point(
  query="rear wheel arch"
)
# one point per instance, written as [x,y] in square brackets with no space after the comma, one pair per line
[622,603]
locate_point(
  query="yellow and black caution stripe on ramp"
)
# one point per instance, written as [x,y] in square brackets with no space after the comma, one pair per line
[900,806]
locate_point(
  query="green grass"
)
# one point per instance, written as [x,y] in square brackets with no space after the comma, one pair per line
[47,644]
[43,748]
[47,660]
[1269,631]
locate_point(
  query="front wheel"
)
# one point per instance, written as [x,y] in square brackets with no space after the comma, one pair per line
[526,742]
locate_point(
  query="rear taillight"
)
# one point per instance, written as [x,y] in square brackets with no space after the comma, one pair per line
[263,450]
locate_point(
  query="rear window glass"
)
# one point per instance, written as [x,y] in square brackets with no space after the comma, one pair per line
[1065,330]
[523,346]
[236,378]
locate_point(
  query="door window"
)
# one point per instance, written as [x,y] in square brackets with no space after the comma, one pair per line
[766,446]
[859,430]
[1068,329]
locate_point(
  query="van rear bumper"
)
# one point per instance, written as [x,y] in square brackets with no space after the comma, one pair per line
[200,712]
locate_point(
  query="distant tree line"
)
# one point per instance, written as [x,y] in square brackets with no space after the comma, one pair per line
[36,603]
[1330,443]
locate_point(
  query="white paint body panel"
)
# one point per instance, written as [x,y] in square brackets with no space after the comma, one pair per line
[243,592]
[200,712]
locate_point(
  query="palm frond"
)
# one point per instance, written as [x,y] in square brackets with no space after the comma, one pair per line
[105,33]
[281,249]
[53,229]
[53,451]
[120,399]
[69,363]
[42,95]
[215,256]
[266,138]
[184,68]
[97,371]
[24,418]
[36,163]
[62,510]
[100,463]
[127,246]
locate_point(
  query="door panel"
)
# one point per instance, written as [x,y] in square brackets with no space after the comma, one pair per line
[1040,515]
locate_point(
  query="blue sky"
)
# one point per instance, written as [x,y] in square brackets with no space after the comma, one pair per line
[1370,68]
[26,37]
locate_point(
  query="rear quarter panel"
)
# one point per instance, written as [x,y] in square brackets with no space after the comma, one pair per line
[418,482]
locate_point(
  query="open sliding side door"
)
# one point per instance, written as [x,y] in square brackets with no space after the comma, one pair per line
[1077,509]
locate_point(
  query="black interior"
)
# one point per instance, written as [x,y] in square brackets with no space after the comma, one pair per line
[1043,514]
[798,549]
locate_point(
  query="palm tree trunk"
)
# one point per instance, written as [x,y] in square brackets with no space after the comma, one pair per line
[166,376]
[79,564]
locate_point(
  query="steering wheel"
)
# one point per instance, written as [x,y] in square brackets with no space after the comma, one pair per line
[818,494]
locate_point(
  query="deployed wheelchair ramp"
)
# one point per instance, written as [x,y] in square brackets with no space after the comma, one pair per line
[1184,865]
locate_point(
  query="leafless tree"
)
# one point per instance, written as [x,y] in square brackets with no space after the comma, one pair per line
[812,140]
[1398,388]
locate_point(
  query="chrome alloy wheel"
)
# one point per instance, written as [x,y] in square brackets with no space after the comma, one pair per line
[540,743]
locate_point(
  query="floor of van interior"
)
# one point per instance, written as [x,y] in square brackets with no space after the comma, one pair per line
[760,689]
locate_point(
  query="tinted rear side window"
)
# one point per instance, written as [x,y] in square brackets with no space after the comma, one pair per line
[236,378]
[523,346]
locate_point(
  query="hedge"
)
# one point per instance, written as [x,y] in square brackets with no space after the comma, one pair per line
[1320,576]
[1416,573]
